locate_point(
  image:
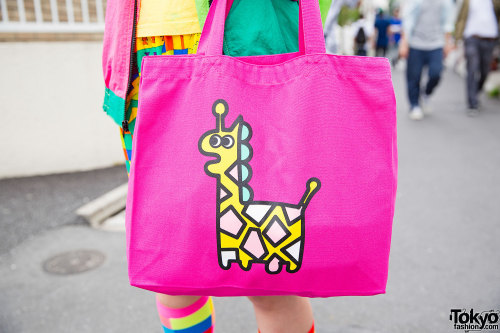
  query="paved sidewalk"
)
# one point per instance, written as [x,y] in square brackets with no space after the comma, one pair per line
[445,247]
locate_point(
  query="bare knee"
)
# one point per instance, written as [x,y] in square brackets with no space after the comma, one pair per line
[176,302]
[270,302]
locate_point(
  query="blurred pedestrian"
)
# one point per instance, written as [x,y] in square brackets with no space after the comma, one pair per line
[331,21]
[382,24]
[363,33]
[394,36]
[478,25]
[426,39]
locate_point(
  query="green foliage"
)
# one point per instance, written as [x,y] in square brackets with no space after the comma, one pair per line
[348,15]
[495,92]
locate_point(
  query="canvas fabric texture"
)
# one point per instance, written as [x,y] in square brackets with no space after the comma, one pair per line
[279,178]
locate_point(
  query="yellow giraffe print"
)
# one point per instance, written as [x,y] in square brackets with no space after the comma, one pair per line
[271,233]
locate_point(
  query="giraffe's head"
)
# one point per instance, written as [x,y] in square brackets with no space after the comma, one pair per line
[226,144]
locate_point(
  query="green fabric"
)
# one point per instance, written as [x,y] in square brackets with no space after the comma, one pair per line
[131,124]
[260,27]
[113,106]
[324,7]
[150,51]
[128,141]
[202,10]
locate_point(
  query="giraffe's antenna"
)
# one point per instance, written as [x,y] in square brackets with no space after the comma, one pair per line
[219,110]
[313,186]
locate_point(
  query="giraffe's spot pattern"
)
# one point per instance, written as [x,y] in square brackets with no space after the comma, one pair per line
[230,223]
[224,193]
[234,173]
[248,231]
[275,232]
[254,245]
[257,212]
[294,251]
[293,214]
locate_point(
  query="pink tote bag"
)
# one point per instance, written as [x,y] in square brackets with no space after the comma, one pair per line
[265,175]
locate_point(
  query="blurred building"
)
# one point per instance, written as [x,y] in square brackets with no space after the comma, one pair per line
[52,88]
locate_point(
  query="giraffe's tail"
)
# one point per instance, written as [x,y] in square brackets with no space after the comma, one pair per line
[313,185]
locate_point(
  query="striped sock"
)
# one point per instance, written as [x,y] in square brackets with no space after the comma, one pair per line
[310,331]
[198,317]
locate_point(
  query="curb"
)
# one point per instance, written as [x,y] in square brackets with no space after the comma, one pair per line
[99,210]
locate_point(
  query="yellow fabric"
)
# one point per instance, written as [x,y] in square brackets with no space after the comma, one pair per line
[167,17]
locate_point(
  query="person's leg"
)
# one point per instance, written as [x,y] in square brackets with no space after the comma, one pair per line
[486,54]
[176,312]
[182,313]
[413,75]
[384,50]
[472,57]
[435,63]
[283,314]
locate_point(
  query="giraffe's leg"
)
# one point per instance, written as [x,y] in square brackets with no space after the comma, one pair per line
[292,268]
[274,265]
[226,256]
[245,261]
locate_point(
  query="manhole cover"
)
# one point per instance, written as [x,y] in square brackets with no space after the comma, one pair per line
[74,262]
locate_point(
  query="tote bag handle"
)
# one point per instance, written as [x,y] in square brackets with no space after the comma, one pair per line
[310,28]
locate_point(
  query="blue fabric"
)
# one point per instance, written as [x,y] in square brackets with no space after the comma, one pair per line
[417,60]
[396,36]
[184,51]
[198,328]
[381,24]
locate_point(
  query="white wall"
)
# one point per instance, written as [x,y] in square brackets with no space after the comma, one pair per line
[51,117]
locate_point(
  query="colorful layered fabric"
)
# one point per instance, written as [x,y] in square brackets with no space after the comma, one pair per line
[118,37]
[166,45]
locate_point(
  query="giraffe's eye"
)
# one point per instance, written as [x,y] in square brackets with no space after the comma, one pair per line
[227,141]
[215,141]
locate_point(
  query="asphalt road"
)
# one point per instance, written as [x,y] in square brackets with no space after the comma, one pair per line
[445,247]
[31,205]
